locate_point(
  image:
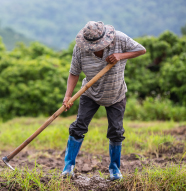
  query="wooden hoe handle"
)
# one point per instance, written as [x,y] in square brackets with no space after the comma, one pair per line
[59,111]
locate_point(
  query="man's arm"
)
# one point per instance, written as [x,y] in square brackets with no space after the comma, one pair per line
[71,84]
[114,58]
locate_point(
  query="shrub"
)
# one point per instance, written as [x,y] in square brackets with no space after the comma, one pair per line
[33,80]
[154,109]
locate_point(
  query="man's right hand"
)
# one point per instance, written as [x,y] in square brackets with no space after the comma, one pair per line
[65,100]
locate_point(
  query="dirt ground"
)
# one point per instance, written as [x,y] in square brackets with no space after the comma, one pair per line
[91,170]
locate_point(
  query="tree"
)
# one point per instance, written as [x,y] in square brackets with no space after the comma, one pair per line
[2,46]
[183,30]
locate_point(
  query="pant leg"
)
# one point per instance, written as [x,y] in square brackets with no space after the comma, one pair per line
[115,114]
[87,109]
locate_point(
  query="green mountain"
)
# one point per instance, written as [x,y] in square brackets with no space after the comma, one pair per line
[57,22]
[11,37]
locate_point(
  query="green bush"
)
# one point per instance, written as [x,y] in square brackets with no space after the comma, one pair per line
[169,37]
[139,79]
[33,80]
[154,109]
[173,78]
[2,46]
[32,87]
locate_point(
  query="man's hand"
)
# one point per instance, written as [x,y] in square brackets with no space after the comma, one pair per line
[113,58]
[71,83]
[65,100]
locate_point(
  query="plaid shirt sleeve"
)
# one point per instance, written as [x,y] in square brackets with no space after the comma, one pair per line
[128,44]
[75,67]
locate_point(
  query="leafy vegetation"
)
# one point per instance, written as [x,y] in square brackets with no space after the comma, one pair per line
[33,80]
[56,23]
[183,30]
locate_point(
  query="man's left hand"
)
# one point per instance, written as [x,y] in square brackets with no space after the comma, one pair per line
[113,58]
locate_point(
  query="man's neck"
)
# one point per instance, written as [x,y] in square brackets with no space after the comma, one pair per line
[99,53]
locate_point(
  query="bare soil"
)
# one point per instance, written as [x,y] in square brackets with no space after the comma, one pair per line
[91,171]
[179,133]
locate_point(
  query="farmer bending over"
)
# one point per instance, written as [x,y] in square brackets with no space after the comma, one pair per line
[96,46]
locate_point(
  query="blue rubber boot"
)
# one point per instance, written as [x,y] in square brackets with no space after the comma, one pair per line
[115,154]
[72,150]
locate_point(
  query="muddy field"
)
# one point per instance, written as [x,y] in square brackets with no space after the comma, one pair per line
[91,171]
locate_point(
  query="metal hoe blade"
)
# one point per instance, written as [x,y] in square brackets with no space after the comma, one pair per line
[5,160]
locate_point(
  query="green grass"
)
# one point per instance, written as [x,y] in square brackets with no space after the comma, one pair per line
[141,137]
[35,179]
[169,178]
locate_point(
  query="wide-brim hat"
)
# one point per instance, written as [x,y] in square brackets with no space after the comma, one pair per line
[95,36]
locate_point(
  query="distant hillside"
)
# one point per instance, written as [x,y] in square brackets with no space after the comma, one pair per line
[10,38]
[57,22]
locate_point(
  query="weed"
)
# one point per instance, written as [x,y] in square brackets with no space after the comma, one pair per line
[141,137]
[26,179]
[169,178]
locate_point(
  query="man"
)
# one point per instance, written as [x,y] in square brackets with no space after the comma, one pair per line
[96,46]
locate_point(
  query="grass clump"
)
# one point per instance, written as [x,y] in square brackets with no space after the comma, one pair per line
[156,178]
[35,179]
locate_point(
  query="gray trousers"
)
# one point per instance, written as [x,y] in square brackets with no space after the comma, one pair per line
[86,111]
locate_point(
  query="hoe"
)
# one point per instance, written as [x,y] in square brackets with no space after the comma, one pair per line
[6,159]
